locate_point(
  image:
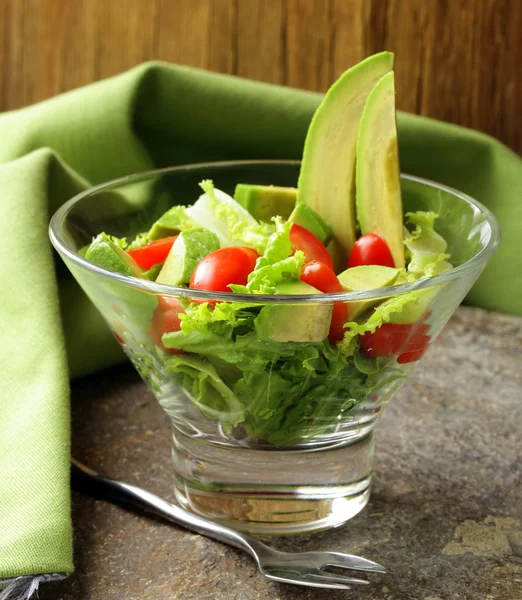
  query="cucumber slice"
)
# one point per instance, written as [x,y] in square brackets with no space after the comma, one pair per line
[190,247]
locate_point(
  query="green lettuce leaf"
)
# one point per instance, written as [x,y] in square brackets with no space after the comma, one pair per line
[207,389]
[120,242]
[233,225]
[275,265]
[426,248]
[140,240]
[383,313]
[288,391]
[201,318]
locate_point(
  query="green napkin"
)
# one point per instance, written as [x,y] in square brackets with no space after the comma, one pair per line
[155,115]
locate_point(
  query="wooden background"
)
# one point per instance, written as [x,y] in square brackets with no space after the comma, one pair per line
[457,60]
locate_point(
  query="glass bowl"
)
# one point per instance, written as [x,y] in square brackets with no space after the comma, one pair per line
[269,437]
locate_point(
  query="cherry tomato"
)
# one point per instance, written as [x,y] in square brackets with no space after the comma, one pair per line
[312,247]
[152,253]
[321,277]
[407,341]
[118,337]
[370,249]
[412,355]
[164,320]
[225,266]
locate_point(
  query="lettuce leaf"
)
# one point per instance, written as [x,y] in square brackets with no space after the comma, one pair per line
[275,265]
[425,246]
[205,318]
[233,225]
[288,391]
[305,398]
[120,242]
[207,389]
[383,313]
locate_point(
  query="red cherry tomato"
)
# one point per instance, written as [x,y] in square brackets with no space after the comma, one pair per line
[165,319]
[412,355]
[152,253]
[370,249]
[118,337]
[225,266]
[321,277]
[408,342]
[312,247]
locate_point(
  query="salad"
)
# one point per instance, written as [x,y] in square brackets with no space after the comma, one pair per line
[282,373]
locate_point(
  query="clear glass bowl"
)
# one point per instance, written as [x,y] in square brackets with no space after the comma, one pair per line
[260,441]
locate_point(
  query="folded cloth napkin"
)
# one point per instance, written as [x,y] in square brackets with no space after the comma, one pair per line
[153,116]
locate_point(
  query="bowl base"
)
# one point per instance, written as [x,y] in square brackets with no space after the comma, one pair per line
[273,492]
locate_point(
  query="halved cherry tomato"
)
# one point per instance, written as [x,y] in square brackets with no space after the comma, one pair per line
[407,341]
[320,276]
[370,249]
[224,266]
[152,253]
[312,247]
[165,319]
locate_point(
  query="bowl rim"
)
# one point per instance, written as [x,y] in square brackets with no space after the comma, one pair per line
[145,285]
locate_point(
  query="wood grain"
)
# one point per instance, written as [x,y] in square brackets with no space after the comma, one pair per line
[456,60]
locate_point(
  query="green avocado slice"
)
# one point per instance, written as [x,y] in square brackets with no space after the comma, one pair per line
[367,277]
[266,201]
[297,322]
[105,253]
[327,177]
[307,217]
[378,186]
[134,306]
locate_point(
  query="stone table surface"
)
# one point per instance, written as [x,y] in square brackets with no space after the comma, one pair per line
[445,515]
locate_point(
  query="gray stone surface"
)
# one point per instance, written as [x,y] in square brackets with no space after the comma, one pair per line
[445,515]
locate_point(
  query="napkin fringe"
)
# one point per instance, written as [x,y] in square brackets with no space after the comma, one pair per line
[25,586]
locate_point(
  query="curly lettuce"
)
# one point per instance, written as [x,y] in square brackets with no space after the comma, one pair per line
[233,225]
[426,248]
[275,265]
[287,391]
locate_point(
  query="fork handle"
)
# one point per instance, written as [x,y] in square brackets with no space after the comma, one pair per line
[118,491]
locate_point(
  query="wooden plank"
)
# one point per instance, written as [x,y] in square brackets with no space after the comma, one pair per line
[261,40]
[222,36]
[309,43]
[181,32]
[458,61]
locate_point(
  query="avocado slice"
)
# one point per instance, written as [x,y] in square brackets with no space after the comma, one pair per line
[368,277]
[327,177]
[189,248]
[294,323]
[307,217]
[134,307]
[378,186]
[174,220]
[106,254]
[266,201]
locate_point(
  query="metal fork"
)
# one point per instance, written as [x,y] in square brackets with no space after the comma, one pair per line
[300,568]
